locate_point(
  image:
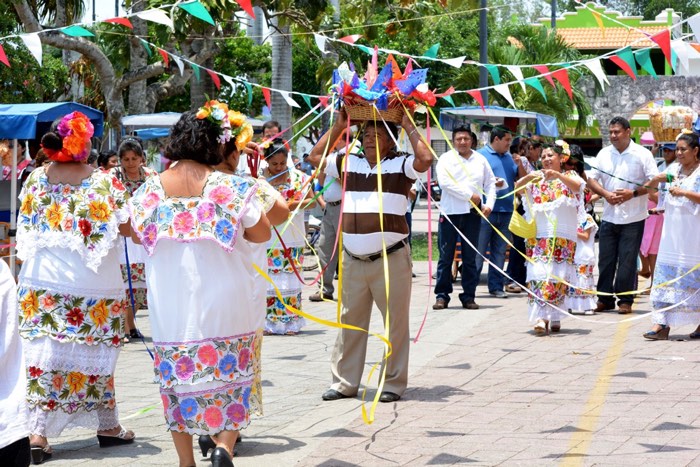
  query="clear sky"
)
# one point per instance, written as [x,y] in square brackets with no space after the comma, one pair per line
[104,9]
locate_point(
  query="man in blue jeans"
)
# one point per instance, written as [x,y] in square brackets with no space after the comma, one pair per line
[506,171]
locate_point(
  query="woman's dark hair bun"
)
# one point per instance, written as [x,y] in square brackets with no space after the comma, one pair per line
[52,141]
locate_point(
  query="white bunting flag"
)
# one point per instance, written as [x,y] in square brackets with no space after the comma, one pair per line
[503,90]
[597,70]
[179,63]
[455,62]
[33,43]
[681,50]
[694,23]
[230,81]
[517,72]
[156,16]
[320,42]
[291,102]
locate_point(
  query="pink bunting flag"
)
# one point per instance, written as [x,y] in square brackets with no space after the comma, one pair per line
[663,40]
[166,57]
[268,98]
[247,7]
[215,78]
[545,71]
[447,93]
[562,76]
[324,101]
[122,21]
[350,39]
[476,94]
[3,57]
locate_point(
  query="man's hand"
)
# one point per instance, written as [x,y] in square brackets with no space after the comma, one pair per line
[486,211]
[624,195]
[341,119]
[407,120]
[476,199]
[252,149]
[613,198]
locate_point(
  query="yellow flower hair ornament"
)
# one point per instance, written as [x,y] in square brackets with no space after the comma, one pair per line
[562,147]
[684,131]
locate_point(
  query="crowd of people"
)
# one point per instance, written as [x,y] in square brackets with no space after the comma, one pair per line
[229,207]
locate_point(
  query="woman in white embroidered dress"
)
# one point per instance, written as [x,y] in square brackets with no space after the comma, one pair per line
[678,303]
[557,205]
[284,256]
[70,291]
[206,331]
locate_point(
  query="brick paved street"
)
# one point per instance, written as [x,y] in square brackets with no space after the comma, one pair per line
[484,390]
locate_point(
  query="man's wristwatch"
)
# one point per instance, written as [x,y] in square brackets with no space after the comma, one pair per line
[635,193]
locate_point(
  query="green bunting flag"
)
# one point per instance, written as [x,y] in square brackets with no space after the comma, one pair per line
[249,89]
[147,47]
[450,100]
[493,71]
[625,60]
[534,82]
[365,49]
[197,10]
[307,99]
[76,31]
[195,70]
[432,51]
[643,58]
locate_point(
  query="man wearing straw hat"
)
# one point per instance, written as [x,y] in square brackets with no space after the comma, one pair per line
[373,222]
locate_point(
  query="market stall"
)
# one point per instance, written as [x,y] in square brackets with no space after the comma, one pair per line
[545,125]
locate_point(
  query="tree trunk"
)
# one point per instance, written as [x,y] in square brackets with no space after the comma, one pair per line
[281,75]
[138,103]
[254,29]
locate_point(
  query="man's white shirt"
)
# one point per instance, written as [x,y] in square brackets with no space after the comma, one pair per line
[460,177]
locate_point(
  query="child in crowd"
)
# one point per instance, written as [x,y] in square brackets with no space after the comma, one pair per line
[584,261]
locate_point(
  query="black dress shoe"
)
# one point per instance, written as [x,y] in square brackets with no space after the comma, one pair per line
[389,397]
[221,458]
[333,395]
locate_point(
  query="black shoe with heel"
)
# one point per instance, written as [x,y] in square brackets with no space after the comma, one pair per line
[221,458]
[206,443]
[40,454]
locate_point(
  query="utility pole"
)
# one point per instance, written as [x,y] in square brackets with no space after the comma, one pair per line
[554,14]
[483,51]
[94,17]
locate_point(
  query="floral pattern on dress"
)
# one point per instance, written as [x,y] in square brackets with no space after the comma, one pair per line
[280,260]
[213,216]
[291,187]
[551,292]
[138,272]
[224,359]
[277,312]
[683,292]
[84,217]
[69,391]
[585,280]
[133,185]
[69,318]
[266,194]
[557,250]
[209,412]
[547,191]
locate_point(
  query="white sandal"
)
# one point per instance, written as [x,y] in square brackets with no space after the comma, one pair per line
[541,327]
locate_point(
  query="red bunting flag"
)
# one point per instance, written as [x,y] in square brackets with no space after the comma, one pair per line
[545,71]
[268,99]
[324,101]
[562,76]
[122,21]
[624,65]
[166,57]
[476,94]
[449,92]
[663,40]
[246,6]
[350,39]
[3,57]
[215,79]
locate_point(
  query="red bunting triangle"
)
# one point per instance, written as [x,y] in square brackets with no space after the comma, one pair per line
[663,40]
[268,99]
[476,94]
[324,101]
[562,76]
[449,92]
[122,21]
[215,78]
[166,57]
[545,71]
[246,6]
[350,39]
[3,57]
[624,65]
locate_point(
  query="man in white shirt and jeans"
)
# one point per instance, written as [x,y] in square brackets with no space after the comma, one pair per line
[463,175]
[623,168]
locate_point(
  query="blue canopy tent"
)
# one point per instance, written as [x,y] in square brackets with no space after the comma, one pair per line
[545,125]
[30,121]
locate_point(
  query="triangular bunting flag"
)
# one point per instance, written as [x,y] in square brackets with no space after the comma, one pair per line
[197,10]
[147,46]
[432,51]
[493,71]
[679,47]
[195,70]
[476,94]
[454,62]
[323,100]
[503,90]
[449,100]
[307,99]
[395,70]
[249,90]
[694,23]
[166,57]
[597,69]
[643,58]
[562,76]
[215,78]
[599,20]
[180,65]
[663,40]
[33,43]
[290,102]
[122,21]
[517,73]
[365,49]
[534,83]
[247,7]
[625,60]
[268,98]
[156,16]
[230,82]
[544,70]
[76,31]
[350,39]
[320,42]
[3,57]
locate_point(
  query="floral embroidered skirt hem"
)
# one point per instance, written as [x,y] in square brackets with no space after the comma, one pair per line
[279,320]
[583,295]
[210,385]
[683,295]
[553,261]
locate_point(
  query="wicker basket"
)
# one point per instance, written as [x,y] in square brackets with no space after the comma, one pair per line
[365,111]
[667,122]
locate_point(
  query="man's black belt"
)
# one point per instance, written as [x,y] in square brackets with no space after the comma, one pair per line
[375,256]
[333,203]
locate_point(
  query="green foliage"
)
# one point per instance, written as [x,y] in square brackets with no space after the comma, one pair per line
[26,82]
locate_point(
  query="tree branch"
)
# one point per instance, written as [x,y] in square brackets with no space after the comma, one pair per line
[146,72]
